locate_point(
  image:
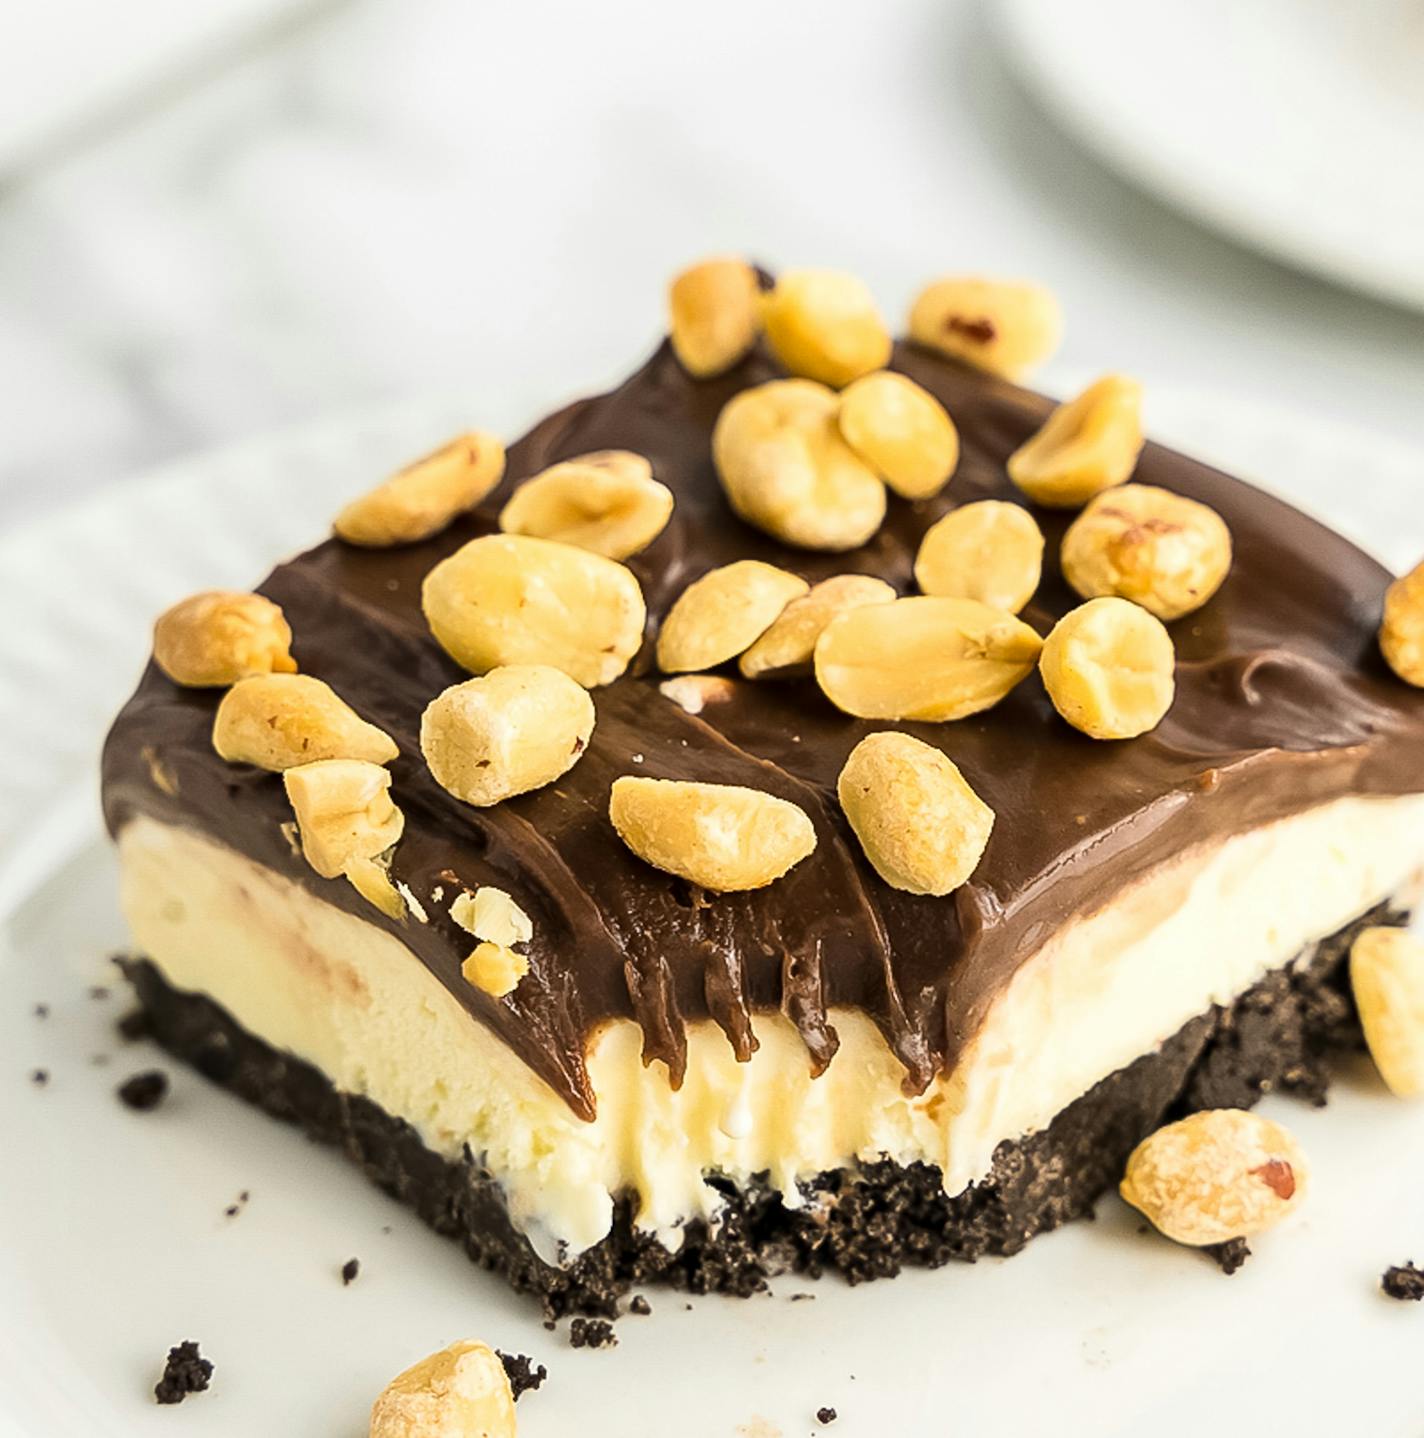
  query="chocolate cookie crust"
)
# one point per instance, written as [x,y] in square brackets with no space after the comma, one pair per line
[866,1223]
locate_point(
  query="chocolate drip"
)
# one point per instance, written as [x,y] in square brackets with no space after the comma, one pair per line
[803,1001]
[1282,703]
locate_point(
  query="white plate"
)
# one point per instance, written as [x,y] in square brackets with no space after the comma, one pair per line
[113,1241]
[1294,125]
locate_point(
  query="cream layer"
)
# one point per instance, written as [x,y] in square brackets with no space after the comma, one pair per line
[351,999]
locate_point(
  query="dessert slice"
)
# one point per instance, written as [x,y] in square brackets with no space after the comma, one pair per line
[692,862]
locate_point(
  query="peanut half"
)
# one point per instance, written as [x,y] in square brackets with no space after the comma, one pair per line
[213,639]
[718,616]
[1108,666]
[787,469]
[511,599]
[1216,1175]
[901,431]
[344,812]
[1162,551]
[715,314]
[787,647]
[721,836]
[424,497]
[277,721]
[518,728]
[990,550]
[1401,634]
[1087,445]
[1005,327]
[1387,976]
[460,1392]
[823,325]
[923,658]
[922,827]
[607,502]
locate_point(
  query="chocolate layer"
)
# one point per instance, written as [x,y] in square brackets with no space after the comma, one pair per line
[1282,703]
[867,1223]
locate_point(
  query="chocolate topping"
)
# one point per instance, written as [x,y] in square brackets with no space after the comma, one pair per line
[1282,703]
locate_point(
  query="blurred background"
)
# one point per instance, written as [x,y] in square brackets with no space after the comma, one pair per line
[222,218]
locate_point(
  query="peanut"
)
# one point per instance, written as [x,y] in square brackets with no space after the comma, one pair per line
[491,914]
[1087,445]
[344,811]
[922,827]
[718,616]
[1401,634]
[989,550]
[607,502]
[495,968]
[213,639]
[715,311]
[1108,666]
[692,693]
[425,497]
[823,325]
[372,880]
[460,1392]
[787,469]
[1162,551]
[923,658]
[1387,976]
[518,728]
[276,721]
[1005,327]
[510,599]
[721,836]
[786,648]
[1216,1175]
[901,431]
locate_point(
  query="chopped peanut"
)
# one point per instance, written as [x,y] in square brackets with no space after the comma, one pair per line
[425,497]
[213,639]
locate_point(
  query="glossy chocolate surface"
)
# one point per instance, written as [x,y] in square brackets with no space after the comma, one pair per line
[1282,703]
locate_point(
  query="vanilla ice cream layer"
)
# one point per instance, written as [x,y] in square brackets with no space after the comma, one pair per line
[351,999]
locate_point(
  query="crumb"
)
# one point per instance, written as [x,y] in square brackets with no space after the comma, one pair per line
[98,991]
[40,1078]
[825,1416]
[688,1307]
[41,1011]
[639,1305]
[386,1228]
[231,1211]
[244,1196]
[523,1376]
[144,1091]
[803,1297]
[592,1333]
[1404,1281]
[550,1324]
[349,1270]
[185,1372]
[1229,1256]
[133,1025]
[99,1060]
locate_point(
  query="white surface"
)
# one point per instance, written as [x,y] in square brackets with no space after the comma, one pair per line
[113,1243]
[1295,125]
[407,197]
[71,65]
